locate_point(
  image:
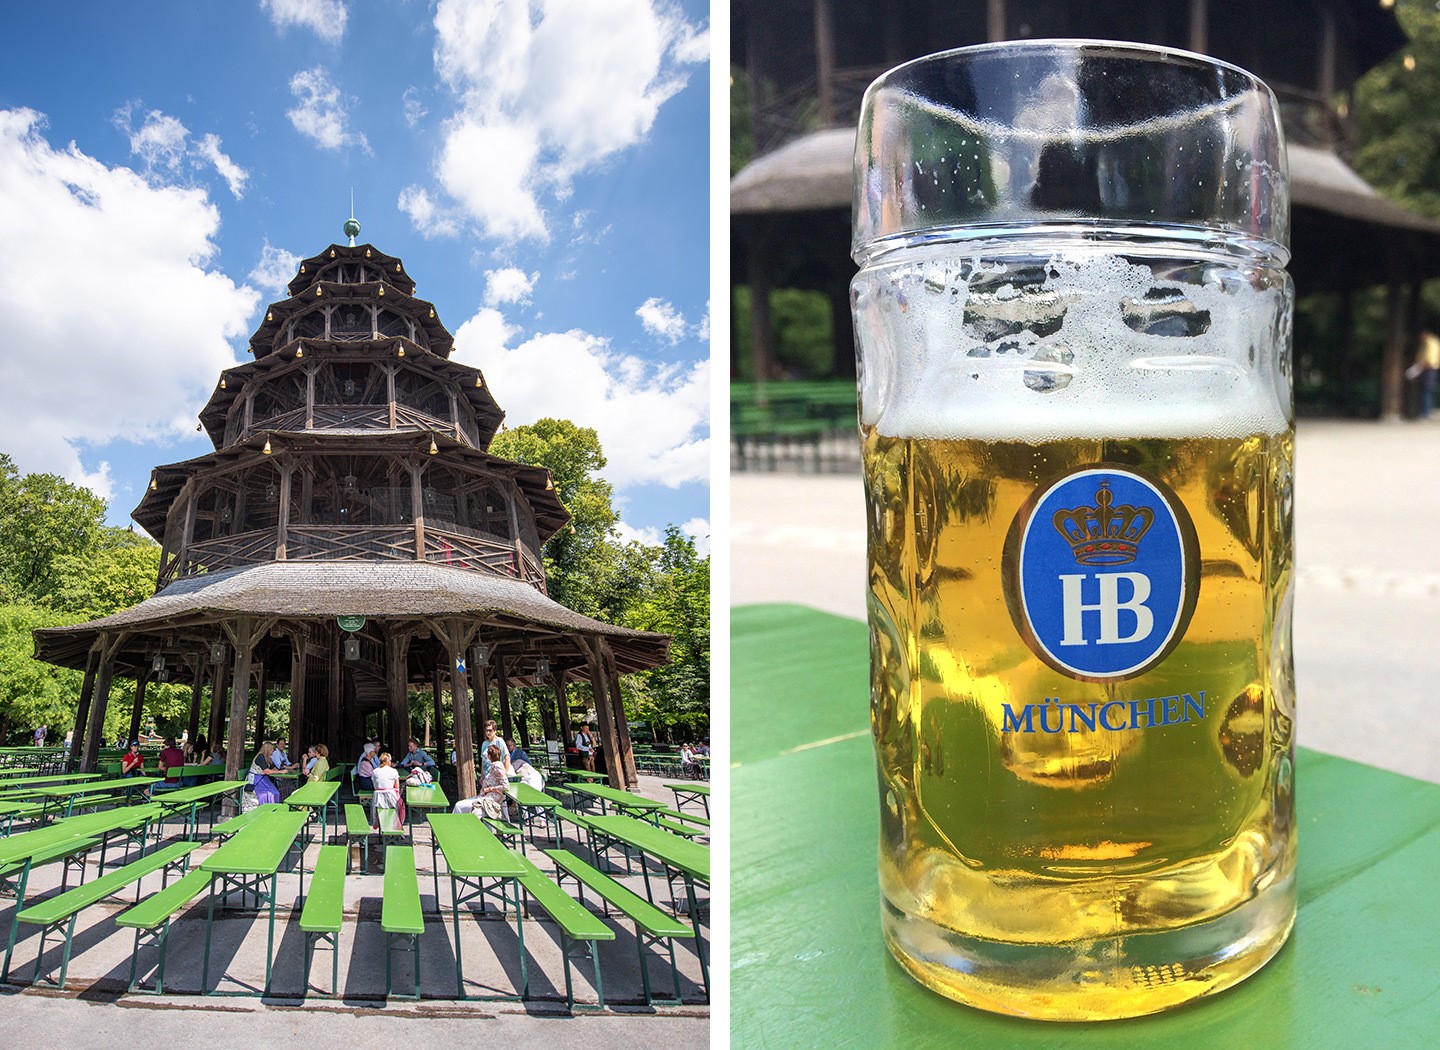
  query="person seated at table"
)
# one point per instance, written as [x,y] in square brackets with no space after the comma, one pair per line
[493,739]
[585,745]
[171,759]
[365,769]
[132,763]
[520,763]
[281,759]
[259,776]
[688,766]
[217,757]
[321,766]
[416,756]
[387,790]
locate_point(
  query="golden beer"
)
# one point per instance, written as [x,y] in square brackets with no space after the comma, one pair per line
[1123,865]
[1073,324]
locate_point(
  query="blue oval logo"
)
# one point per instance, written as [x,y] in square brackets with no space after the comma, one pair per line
[1102,572]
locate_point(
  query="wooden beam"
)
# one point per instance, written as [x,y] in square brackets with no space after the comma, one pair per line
[104,675]
[299,661]
[436,685]
[455,635]
[995,21]
[1392,358]
[241,636]
[1199,38]
[502,688]
[622,724]
[192,727]
[139,707]
[604,716]
[562,709]
[262,686]
[219,693]
[397,647]
[82,711]
[825,63]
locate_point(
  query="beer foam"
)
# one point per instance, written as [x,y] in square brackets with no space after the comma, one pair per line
[1082,344]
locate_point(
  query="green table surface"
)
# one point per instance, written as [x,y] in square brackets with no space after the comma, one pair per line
[88,825]
[315,794]
[260,847]
[197,793]
[27,783]
[7,773]
[808,961]
[526,795]
[694,789]
[471,850]
[128,784]
[585,774]
[428,796]
[680,853]
[616,797]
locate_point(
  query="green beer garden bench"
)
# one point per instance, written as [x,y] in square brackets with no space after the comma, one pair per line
[357,829]
[55,913]
[512,836]
[239,822]
[155,911]
[15,874]
[400,914]
[324,912]
[652,926]
[580,929]
[681,815]
[678,829]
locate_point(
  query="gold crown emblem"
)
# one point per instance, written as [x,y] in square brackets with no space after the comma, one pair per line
[1104,534]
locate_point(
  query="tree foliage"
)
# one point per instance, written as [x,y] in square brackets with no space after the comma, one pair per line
[664,588]
[1397,115]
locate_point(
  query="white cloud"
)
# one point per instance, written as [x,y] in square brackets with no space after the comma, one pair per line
[326,18]
[652,420]
[276,269]
[568,82]
[698,529]
[662,320]
[234,175]
[510,285]
[424,216]
[415,110]
[322,115]
[702,330]
[104,287]
[159,141]
[162,142]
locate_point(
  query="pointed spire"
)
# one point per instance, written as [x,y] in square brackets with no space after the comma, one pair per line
[352,224]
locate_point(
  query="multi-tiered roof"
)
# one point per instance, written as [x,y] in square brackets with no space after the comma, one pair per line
[351,476]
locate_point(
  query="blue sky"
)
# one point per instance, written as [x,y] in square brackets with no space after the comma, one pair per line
[540,165]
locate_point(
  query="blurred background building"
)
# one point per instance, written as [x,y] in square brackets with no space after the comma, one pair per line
[800,67]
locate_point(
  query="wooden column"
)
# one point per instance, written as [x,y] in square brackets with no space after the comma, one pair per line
[397,648]
[761,330]
[244,632]
[1345,328]
[480,690]
[622,724]
[1199,40]
[1392,359]
[547,717]
[299,661]
[562,709]
[456,636]
[435,688]
[995,20]
[604,715]
[219,692]
[192,727]
[104,675]
[262,686]
[82,711]
[138,709]
[502,688]
[825,63]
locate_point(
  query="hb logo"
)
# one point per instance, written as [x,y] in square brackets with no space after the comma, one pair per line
[1125,616]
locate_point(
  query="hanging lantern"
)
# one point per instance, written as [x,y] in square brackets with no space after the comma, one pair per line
[400,352]
[434,448]
[302,267]
[352,649]
[299,352]
[350,481]
[332,253]
[153,486]
[432,313]
[270,492]
[381,292]
[480,655]
[266,449]
[349,388]
[542,667]
[199,427]
[158,664]
[217,652]
[318,290]
[222,382]
[367,253]
[479,380]
[269,315]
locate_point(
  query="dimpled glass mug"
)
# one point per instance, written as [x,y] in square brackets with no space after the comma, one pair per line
[1073,324]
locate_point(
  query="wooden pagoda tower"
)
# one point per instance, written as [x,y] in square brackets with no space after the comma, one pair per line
[352,537]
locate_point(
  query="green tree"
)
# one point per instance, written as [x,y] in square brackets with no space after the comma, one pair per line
[44,518]
[1397,115]
[32,693]
[119,571]
[803,328]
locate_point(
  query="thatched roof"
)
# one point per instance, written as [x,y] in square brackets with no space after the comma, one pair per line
[323,590]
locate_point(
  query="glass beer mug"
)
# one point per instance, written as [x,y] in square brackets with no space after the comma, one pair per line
[1073,324]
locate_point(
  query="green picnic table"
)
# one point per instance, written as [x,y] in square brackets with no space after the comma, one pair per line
[8,772]
[24,785]
[12,811]
[473,854]
[18,852]
[204,772]
[245,863]
[585,774]
[315,796]
[424,799]
[689,860]
[528,798]
[621,800]
[126,785]
[805,902]
[691,793]
[192,798]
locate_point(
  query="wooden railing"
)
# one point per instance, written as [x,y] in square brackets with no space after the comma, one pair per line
[360,417]
[444,545]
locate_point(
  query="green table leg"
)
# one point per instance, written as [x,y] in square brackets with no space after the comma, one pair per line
[520,935]
[209,923]
[455,911]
